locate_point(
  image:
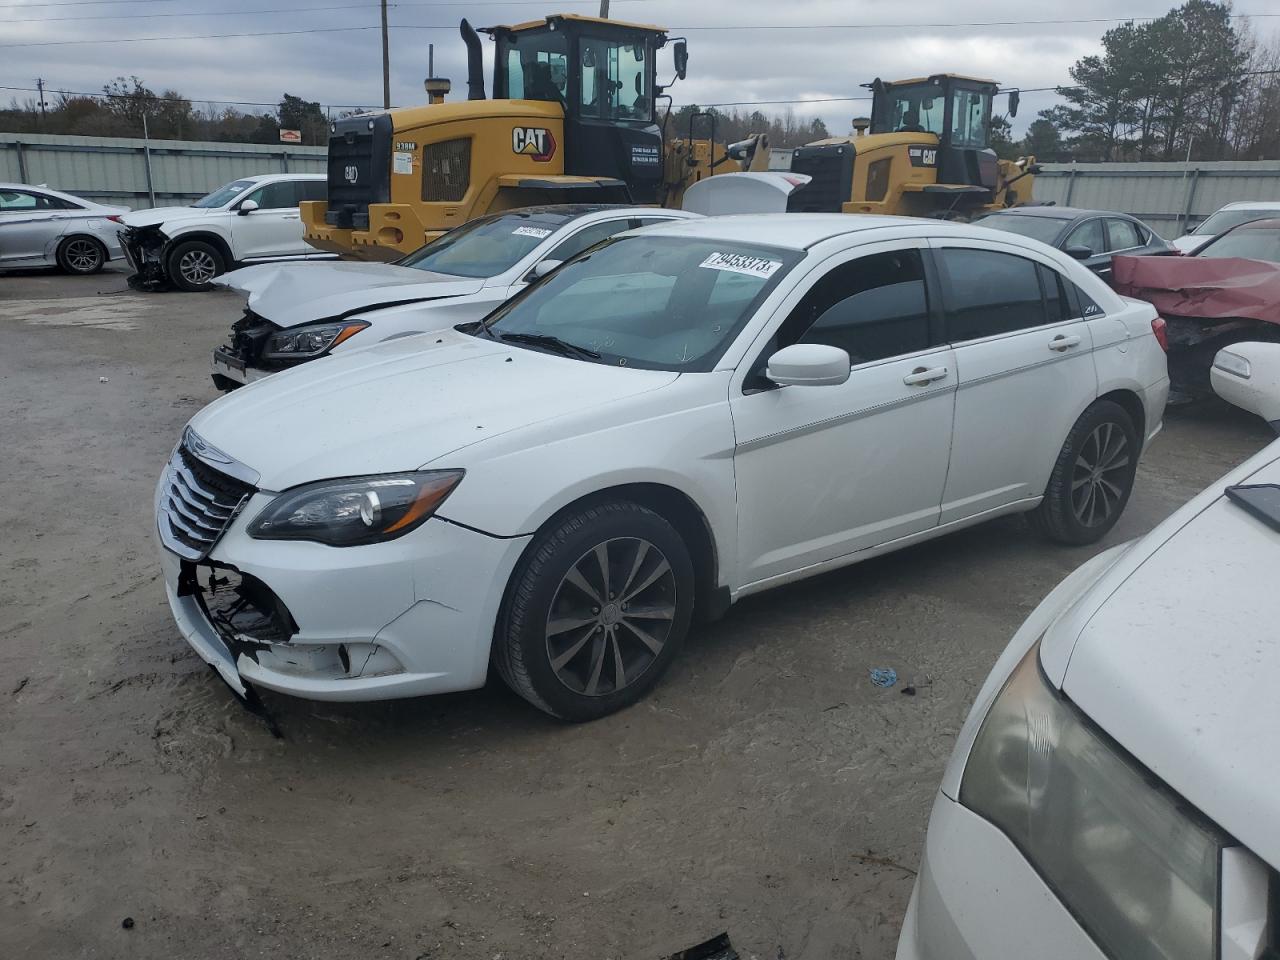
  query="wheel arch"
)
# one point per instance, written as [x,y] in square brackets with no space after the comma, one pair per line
[211,237]
[689,520]
[1129,401]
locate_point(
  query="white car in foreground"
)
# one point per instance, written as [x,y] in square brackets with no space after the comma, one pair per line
[1222,220]
[1113,791]
[298,312]
[684,415]
[40,227]
[250,220]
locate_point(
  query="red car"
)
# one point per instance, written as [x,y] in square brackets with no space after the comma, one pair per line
[1227,291]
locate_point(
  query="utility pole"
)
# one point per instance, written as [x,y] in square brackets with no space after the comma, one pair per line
[40,87]
[386,62]
[604,9]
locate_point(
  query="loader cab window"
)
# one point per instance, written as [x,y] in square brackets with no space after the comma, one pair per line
[969,123]
[615,80]
[536,67]
[919,108]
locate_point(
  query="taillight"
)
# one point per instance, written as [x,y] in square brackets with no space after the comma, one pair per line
[1161,330]
[114,219]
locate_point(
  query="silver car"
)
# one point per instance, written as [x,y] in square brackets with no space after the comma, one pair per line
[40,227]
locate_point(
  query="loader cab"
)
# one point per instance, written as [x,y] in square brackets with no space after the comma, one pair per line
[955,109]
[602,73]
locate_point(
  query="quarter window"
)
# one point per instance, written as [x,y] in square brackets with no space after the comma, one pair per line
[1124,234]
[1088,234]
[873,307]
[989,293]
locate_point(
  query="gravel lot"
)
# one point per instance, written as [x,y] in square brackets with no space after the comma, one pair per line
[767,788]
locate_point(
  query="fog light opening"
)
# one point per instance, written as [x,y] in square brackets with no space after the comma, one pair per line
[345,657]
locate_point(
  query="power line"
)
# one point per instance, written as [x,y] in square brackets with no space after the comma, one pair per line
[255,13]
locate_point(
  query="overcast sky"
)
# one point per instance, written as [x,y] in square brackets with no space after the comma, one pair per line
[343,66]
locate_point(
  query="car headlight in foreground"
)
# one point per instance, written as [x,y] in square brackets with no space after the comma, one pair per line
[1136,866]
[355,510]
[305,343]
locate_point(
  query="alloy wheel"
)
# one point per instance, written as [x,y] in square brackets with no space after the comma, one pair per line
[1096,480]
[83,256]
[197,267]
[611,616]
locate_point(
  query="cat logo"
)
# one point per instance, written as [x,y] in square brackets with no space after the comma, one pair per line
[351,173]
[923,156]
[535,142]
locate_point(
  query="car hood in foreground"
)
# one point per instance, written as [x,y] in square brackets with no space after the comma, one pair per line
[291,294]
[1179,659]
[403,403]
[1208,288]
[158,215]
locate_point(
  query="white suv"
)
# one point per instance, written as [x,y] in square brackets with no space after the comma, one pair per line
[251,220]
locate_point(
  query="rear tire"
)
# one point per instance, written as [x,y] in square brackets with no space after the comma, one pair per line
[81,256]
[193,263]
[596,611]
[1092,477]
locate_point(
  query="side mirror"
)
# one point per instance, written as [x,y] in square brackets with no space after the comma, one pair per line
[247,207]
[541,269]
[1079,251]
[809,365]
[1248,375]
[681,54]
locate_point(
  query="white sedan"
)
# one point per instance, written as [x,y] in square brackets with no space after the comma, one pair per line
[683,416]
[40,227]
[299,312]
[1113,793]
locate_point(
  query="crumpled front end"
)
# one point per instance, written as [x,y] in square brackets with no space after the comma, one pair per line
[144,248]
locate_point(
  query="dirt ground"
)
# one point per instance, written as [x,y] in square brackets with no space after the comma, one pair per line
[767,788]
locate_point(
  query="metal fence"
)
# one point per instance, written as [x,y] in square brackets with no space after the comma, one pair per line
[144,173]
[1167,196]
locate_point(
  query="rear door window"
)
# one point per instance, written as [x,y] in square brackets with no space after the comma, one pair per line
[312,190]
[1123,234]
[988,293]
[280,195]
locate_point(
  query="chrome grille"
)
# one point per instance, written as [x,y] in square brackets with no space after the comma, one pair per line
[197,501]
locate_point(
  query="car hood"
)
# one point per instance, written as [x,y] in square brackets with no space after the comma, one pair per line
[158,215]
[291,294]
[403,403]
[1208,288]
[1179,662]
[1191,242]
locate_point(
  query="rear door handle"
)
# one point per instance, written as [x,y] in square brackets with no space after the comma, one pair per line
[922,376]
[1062,342]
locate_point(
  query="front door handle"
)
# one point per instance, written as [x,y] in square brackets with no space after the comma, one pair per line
[922,376]
[1062,342]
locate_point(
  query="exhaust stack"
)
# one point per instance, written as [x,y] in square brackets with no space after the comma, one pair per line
[475,61]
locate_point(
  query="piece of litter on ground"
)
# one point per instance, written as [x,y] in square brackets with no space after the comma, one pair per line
[909,691]
[884,676]
[103,380]
[717,948]
[127,923]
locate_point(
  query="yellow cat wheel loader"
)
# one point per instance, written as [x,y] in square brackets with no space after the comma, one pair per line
[928,154]
[572,119]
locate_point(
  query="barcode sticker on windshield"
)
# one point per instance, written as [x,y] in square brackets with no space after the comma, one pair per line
[538,232]
[741,263]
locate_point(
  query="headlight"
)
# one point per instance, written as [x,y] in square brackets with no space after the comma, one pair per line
[1127,857]
[355,510]
[303,343]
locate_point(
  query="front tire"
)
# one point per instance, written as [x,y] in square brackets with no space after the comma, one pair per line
[596,611]
[193,263]
[81,256]
[1092,477]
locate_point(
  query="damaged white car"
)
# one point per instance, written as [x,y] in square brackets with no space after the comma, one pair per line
[298,312]
[250,220]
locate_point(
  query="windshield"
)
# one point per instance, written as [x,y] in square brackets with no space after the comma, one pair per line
[1044,229]
[223,195]
[484,248]
[1251,243]
[918,108]
[655,302]
[1224,220]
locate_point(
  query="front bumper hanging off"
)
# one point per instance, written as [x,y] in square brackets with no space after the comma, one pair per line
[144,249]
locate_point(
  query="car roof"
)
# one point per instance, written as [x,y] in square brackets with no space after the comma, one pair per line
[795,231]
[570,211]
[272,177]
[1270,223]
[1252,205]
[1060,213]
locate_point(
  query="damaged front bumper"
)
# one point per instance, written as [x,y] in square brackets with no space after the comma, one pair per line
[144,249]
[411,617]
